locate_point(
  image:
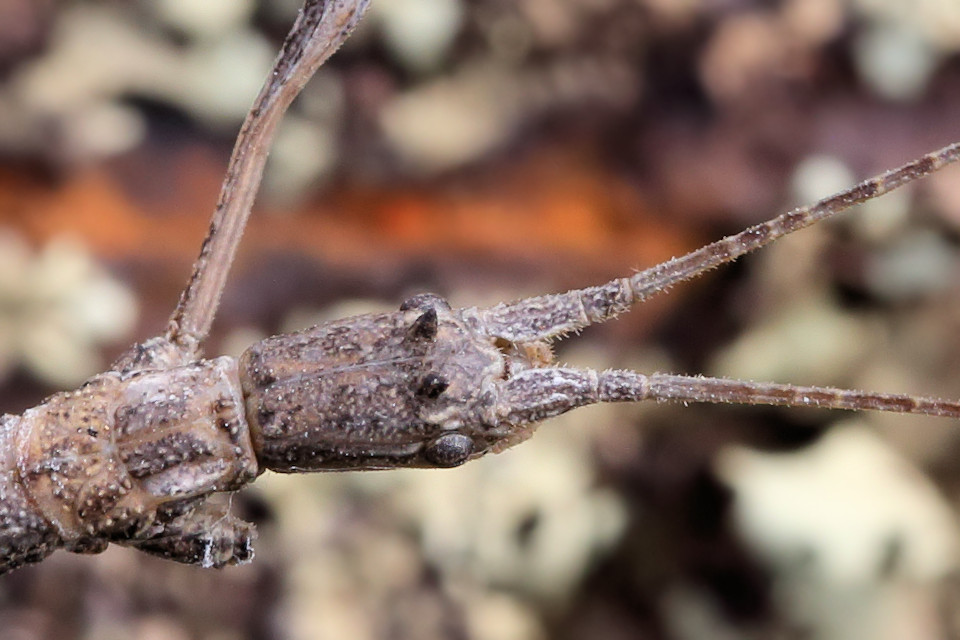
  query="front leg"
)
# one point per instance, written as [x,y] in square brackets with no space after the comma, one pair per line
[320,29]
[207,536]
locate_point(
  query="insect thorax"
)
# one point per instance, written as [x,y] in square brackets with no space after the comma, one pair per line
[121,452]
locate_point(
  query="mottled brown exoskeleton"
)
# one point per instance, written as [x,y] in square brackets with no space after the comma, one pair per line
[132,456]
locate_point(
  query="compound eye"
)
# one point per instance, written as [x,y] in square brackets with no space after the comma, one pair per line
[449,450]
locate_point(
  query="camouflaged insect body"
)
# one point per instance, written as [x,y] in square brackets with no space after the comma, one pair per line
[133,455]
[126,458]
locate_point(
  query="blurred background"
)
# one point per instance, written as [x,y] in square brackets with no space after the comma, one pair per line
[484,150]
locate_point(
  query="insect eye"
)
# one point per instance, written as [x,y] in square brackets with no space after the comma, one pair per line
[449,450]
[432,386]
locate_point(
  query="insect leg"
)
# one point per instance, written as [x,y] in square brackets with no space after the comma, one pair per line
[320,29]
[207,537]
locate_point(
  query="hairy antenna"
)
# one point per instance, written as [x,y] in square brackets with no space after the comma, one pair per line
[538,394]
[551,316]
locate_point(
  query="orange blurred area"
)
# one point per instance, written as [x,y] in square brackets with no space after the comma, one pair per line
[549,205]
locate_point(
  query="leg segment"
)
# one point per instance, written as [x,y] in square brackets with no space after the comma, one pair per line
[206,537]
[320,29]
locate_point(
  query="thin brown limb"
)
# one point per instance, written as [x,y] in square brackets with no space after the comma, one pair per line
[546,317]
[319,30]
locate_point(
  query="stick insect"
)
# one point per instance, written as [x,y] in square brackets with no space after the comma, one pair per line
[132,456]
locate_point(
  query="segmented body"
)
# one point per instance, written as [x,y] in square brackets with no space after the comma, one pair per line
[132,456]
[25,535]
[126,458]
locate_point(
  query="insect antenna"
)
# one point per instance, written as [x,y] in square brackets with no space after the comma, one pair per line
[552,316]
[537,394]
